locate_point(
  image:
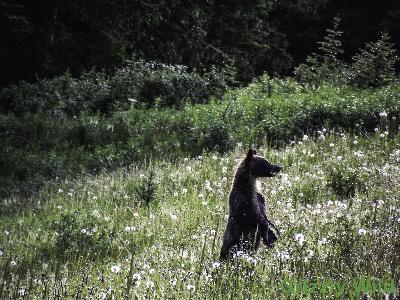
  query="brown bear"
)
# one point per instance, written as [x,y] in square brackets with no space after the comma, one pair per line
[247,222]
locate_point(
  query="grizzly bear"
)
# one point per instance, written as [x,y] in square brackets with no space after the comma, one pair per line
[247,222]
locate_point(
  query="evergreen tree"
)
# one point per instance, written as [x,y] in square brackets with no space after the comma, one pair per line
[375,64]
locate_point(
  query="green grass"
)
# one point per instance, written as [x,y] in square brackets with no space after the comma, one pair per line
[38,147]
[92,237]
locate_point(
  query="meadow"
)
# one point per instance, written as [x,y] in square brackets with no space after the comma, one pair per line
[154,231]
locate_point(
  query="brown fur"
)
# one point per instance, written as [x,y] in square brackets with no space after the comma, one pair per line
[247,223]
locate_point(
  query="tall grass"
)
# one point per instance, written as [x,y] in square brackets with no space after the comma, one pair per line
[336,204]
[36,147]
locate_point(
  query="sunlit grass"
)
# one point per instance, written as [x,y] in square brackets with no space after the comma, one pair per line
[336,205]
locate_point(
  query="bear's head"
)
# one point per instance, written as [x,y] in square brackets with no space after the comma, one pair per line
[259,166]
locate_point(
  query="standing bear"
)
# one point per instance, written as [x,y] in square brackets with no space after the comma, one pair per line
[247,222]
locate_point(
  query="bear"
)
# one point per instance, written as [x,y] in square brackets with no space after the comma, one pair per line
[247,222]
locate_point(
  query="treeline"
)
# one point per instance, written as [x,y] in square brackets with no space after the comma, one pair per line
[42,38]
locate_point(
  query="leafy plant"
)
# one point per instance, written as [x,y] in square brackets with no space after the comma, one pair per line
[145,191]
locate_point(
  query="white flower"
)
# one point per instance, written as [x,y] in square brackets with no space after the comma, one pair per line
[376,129]
[383,114]
[216,265]
[83,230]
[224,169]
[127,228]
[284,255]
[173,217]
[331,145]
[299,237]
[176,194]
[115,268]
[13,263]
[362,231]
[149,284]
[355,142]
[184,191]
[60,191]
[201,195]
[1,253]
[189,168]
[214,157]
[322,241]
[339,158]
[190,287]
[305,137]
[382,135]
[136,276]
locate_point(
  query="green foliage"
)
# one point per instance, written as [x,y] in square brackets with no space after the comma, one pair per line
[138,83]
[344,181]
[79,233]
[146,189]
[375,65]
[39,146]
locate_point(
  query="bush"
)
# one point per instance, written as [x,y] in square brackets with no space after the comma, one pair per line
[374,66]
[146,84]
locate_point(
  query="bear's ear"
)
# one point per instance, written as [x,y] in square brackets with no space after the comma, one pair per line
[250,153]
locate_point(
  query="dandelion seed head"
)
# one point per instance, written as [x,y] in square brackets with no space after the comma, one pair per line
[115,268]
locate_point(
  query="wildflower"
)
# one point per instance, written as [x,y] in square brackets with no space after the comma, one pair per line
[305,137]
[184,191]
[115,268]
[201,195]
[190,287]
[376,129]
[355,142]
[60,191]
[189,168]
[59,207]
[216,265]
[224,169]
[331,145]
[1,253]
[83,230]
[284,255]
[149,284]
[383,114]
[322,241]
[214,157]
[382,135]
[173,217]
[136,277]
[127,228]
[362,231]
[13,263]
[299,237]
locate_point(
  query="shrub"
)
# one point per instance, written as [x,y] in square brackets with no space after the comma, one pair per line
[148,83]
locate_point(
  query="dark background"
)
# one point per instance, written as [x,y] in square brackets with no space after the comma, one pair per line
[43,38]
